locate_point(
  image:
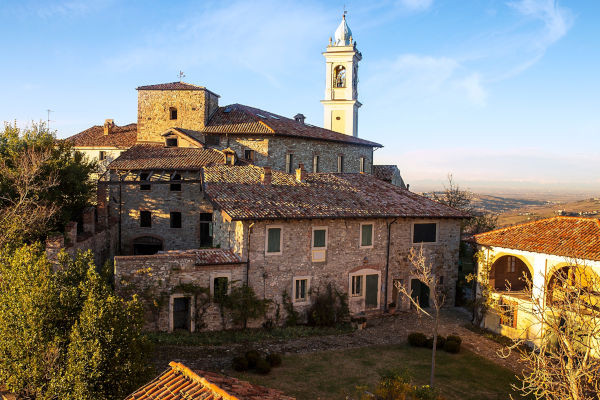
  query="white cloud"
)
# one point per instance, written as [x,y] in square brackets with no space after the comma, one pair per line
[557,20]
[416,5]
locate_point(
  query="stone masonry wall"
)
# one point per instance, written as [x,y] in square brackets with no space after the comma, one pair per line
[270,275]
[156,279]
[161,201]
[194,107]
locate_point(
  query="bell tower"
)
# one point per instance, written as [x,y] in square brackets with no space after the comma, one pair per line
[341,82]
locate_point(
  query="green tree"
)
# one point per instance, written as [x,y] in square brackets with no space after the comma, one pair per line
[63,334]
[43,183]
[243,305]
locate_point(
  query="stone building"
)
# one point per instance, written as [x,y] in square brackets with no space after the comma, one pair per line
[296,233]
[532,266]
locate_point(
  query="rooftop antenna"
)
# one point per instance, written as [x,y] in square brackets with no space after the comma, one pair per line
[345,12]
[48,121]
[181,75]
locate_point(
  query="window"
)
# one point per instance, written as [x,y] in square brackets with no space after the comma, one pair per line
[175,219]
[425,233]
[300,289]
[145,219]
[220,287]
[175,186]
[357,285]
[362,165]
[212,140]
[316,163]
[319,239]
[366,235]
[173,113]
[508,313]
[171,142]
[511,263]
[340,166]
[206,230]
[289,163]
[249,155]
[230,158]
[273,240]
[102,155]
[144,177]
[340,77]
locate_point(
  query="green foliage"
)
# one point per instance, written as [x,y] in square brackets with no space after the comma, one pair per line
[274,359]
[292,317]
[263,367]
[329,307]
[243,305]
[43,184]
[64,334]
[440,342]
[252,356]
[454,338]
[397,384]
[451,346]
[239,364]
[417,339]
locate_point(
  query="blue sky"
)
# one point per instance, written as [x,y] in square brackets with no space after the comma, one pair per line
[503,94]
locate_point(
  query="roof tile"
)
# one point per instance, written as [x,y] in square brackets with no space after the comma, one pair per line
[156,156]
[121,137]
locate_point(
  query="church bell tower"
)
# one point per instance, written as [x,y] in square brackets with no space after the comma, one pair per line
[341,84]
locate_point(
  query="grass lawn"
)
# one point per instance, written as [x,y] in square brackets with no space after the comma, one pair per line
[334,374]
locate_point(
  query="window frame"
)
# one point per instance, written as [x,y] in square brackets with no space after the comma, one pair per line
[289,163]
[171,213]
[211,284]
[316,160]
[167,139]
[306,299]
[192,316]
[360,239]
[353,280]
[267,252]
[361,165]
[437,233]
[171,111]
[250,152]
[143,212]
[312,237]
[102,155]
[340,163]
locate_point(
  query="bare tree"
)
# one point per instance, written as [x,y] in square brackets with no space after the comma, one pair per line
[565,360]
[483,300]
[423,270]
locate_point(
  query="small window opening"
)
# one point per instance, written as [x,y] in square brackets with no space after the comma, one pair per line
[145,219]
[340,166]
[289,163]
[220,288]
[357,285]
[316,164]
[173,113]
[175,219]
[171,142]
[425,233]
[144,178]
[249,155]
[300,290]
[176,185]
[102,155]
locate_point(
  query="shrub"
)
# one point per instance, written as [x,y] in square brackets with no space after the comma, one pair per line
[244,305]
[262,366]
[426,393]
[240,364]
[417,339]
[440,342]
[274,359]
[329,308]
[252,356]
[452,347]
[454,338]
[292,317]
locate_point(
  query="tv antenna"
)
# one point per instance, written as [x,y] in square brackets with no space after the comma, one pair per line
[48,120]
[181,75]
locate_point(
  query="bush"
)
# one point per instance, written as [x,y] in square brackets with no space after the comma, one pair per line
[329,308]
[440,342]
[452,347]
[426,393]
[262,366]
[417,339]
[252,356]
[274,359]
[454,338]
[240,364]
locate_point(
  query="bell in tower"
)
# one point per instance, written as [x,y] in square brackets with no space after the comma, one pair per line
[341,79]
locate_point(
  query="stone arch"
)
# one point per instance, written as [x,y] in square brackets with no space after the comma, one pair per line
[566,279]
[147,244]
[339,76]
[508,270]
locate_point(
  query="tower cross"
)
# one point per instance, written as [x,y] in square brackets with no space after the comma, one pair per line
[180,75]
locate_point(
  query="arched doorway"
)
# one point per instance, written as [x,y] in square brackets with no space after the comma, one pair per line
[147,245]
[569,281]
[510,273]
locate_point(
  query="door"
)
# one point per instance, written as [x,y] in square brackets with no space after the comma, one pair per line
[206,239]
[181,313]
[371,291]
[146,245]
[395,291]
[420,293]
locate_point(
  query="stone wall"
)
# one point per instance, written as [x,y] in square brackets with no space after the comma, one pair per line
[271,151]
[194,107]
[158,278]
[160,201]
[270,275]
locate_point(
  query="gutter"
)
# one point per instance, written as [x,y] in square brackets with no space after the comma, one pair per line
[248,255]
[387,265]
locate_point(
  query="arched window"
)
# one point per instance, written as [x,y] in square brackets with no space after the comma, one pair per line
[340,77]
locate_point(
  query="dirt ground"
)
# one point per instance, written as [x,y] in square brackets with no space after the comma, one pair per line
[385,329]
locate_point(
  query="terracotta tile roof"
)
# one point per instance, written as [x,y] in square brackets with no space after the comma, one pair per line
[574,237]
[171,86]
[180,383]
[156,156]
[240,119]
[384,172]
[207,256]
[238,192]
[121,137]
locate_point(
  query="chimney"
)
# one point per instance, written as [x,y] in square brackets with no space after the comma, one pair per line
[299,118]
[109,124]
[266,176]
[301,173]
